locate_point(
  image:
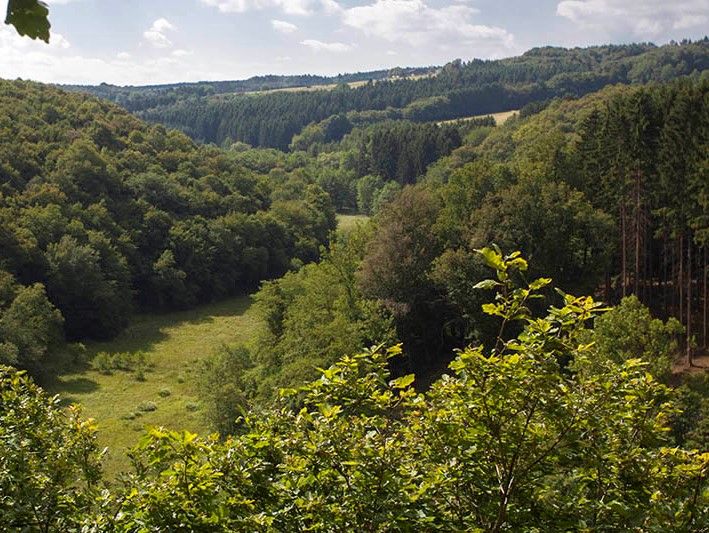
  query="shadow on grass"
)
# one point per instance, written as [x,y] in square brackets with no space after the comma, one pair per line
[143,334]
[72,386]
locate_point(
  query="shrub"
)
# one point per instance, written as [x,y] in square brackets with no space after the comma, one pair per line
[147,406]
[136,362]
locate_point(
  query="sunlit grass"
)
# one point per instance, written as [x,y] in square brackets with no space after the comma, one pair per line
[500,118]
[346,223]
[173,342]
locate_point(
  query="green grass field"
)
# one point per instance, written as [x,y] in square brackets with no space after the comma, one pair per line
[347,222]
[500,118]
[173,342]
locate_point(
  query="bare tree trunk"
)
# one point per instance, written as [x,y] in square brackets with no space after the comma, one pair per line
[680,279]
[648,280]
[689,299]
[706,275]
[636,270]
[623,246]
[665,284]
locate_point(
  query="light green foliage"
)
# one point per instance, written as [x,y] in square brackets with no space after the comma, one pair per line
[223,387]
[368,189]
[629,331]
[508,441]
[137,362]
[313,314]
[29,328]
[49,462]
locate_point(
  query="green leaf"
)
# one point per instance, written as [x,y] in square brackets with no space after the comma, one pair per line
[492,259]
[539,283]
[403,382]
[487,284]
[29,17]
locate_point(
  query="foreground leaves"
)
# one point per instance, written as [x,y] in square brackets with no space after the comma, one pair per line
[29,17]
[511,440]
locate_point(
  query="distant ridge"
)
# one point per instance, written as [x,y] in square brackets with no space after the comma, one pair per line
[221,112]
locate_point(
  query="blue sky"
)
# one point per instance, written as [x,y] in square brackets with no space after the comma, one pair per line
[159,41]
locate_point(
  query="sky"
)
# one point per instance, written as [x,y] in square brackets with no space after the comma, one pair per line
[140,42]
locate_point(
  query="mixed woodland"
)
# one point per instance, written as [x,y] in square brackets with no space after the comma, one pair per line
[509,343]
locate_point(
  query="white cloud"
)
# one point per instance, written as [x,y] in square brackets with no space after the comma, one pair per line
[690,21]
[283,26]
[290,7]
[415,23]
[156,34]
[21,57]
[320,46]
[643,18]
[181,53]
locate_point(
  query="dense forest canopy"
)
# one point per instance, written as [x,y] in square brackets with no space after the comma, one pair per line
[459,89]
[101,214]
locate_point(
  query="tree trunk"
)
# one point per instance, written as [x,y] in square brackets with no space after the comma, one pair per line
[623,246]
[680,279]
[706,275]
[689,299]
[636,270]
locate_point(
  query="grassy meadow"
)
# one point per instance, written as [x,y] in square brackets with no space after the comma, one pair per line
[346,223]
[500,118]
[121,404]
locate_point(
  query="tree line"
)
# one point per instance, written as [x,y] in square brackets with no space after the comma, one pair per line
[460,89]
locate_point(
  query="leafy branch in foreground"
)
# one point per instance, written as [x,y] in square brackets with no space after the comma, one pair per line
[511,440]
[29,17]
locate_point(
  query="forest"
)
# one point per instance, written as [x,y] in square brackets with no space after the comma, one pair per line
[511,340]
[459,89]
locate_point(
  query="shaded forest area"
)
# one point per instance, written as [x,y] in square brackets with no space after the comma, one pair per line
[601,193]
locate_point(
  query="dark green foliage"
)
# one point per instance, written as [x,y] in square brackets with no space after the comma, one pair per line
[29,17]
[109,214]
[30,326]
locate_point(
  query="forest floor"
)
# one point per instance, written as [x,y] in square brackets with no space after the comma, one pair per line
[700,363]
[173,343]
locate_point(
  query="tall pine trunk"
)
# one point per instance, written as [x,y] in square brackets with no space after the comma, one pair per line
[624,251]
[704,299]
[689,299]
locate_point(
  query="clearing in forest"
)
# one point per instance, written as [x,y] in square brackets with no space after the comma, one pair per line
[500,118]
[124,406]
